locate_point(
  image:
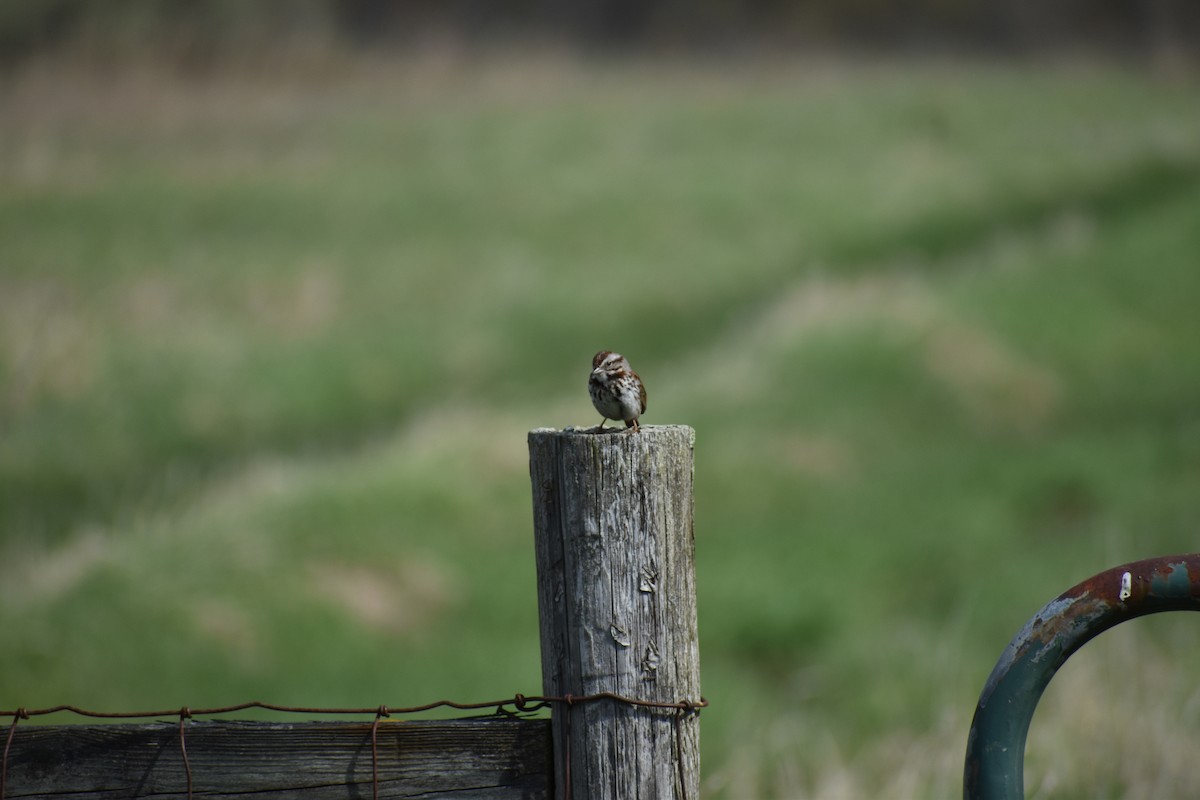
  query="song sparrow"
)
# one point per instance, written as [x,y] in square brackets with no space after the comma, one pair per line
[617,391]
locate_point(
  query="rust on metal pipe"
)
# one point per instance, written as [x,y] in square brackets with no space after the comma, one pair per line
[996,745]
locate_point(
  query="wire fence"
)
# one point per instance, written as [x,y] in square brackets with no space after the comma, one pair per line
[516,705]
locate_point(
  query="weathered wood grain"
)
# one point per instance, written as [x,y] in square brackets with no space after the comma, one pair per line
[613,516]
[481,759]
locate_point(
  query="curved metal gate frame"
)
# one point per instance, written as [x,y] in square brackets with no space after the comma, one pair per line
[996,745]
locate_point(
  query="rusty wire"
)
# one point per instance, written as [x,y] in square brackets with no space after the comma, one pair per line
[17,716]
[184,715]
[380,713]
[522,704]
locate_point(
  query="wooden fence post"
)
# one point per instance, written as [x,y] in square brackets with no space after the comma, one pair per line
[617,602]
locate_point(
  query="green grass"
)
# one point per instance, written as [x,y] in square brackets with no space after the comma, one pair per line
[268,354]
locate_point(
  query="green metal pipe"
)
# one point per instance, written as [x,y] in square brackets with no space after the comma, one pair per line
[996,745]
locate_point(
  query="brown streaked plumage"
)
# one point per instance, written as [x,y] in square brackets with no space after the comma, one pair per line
[616,390]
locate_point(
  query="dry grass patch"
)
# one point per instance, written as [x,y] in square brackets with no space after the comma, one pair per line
[396,599]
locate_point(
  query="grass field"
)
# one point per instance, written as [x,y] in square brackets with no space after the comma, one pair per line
[270,345]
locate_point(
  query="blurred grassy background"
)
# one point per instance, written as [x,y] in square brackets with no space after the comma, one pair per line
[270,342]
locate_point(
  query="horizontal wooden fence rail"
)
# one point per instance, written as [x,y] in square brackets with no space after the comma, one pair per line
[483,759]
